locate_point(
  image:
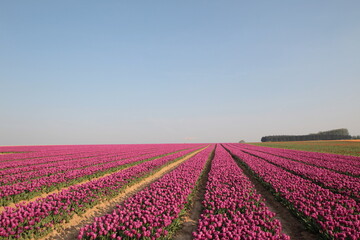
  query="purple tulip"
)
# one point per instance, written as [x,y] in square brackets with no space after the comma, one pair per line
[334,212]
[230,212]
[151,212]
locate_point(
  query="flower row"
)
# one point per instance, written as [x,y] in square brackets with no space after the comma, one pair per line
[27,153]
[344,164]
[232,208]
[13,175]
[81,159]
[37,217]
[152,212]
[74,154]
[334,215]
[28,189]
[338,183]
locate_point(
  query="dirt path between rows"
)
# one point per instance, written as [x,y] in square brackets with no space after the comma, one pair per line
[71,229]
[44,195]
[291,226]
[191,219]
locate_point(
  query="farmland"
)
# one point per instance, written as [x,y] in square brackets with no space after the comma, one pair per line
[177,191]
[344,147]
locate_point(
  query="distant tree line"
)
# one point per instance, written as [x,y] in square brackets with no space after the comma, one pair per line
[335,134]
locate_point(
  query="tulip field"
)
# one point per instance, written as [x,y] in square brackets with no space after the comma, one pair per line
[241,188]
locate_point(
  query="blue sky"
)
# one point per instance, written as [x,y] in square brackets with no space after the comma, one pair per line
[93,72]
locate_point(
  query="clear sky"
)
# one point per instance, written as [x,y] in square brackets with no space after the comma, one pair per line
[94,72]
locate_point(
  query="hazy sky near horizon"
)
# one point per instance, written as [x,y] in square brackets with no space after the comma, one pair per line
[95,72]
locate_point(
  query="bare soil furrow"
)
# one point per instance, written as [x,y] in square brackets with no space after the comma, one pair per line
[44,195]
[191,219]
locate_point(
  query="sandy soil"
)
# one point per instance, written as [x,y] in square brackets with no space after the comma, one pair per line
[70,230]
[191,219]
[44,195]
